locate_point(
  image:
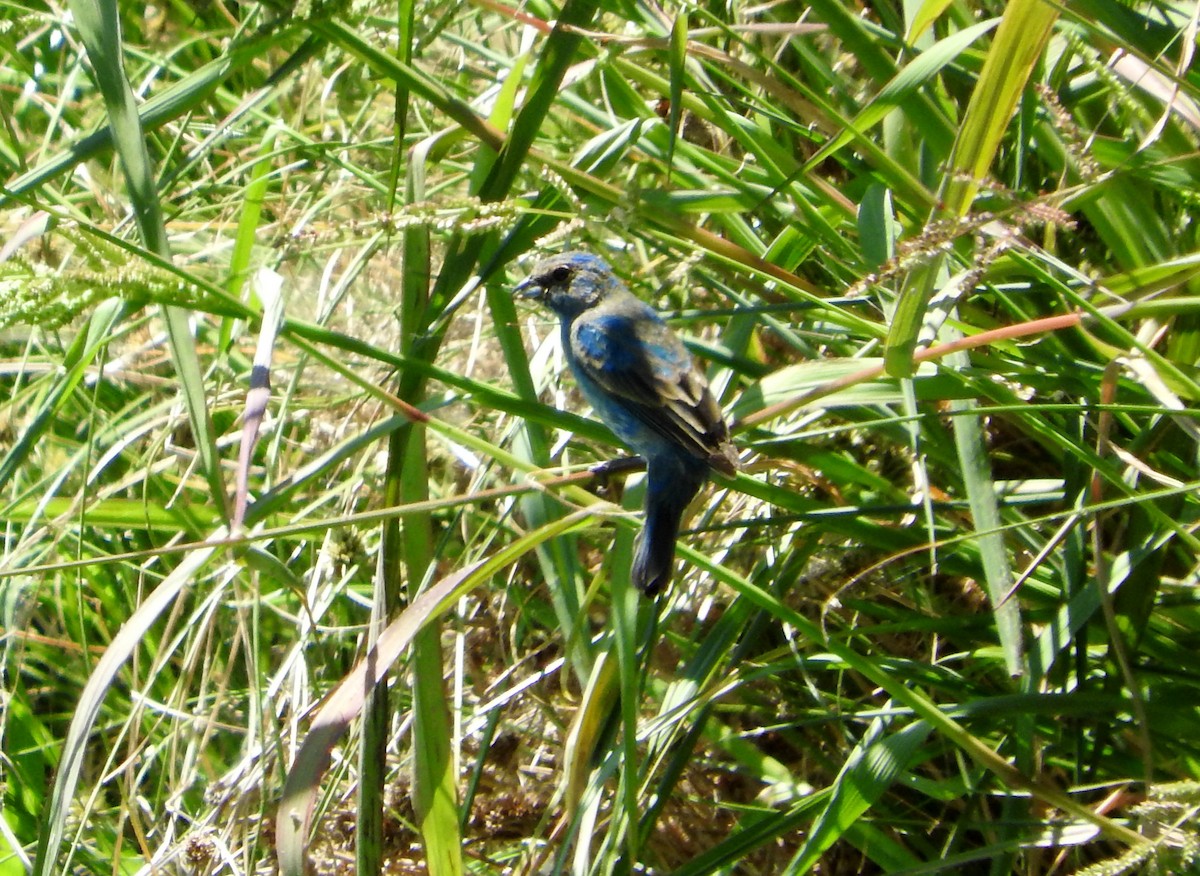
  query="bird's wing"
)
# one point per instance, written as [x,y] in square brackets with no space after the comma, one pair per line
[634,357]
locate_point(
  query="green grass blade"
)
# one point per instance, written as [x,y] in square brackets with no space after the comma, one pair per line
[985,513]
[877,762]
[677,58]
[1023,33]
[97,21]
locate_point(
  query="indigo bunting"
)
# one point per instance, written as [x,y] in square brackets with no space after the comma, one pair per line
[642,383]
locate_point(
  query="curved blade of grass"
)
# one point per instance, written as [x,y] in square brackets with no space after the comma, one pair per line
[920,109]
[857,382]
[906,84]
[872,767]
[100,30]
[588,725]
[344,704]
[122,647]
[725,856]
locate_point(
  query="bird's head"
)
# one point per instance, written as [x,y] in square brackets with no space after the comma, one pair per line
[570,283]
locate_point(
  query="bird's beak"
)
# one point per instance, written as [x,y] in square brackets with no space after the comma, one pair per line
[529,288]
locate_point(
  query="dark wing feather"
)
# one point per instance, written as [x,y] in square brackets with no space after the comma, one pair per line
[637,358]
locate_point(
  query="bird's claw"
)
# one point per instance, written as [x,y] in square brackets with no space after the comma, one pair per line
[603,474]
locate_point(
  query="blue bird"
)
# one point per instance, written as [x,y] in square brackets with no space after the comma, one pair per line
[643,384]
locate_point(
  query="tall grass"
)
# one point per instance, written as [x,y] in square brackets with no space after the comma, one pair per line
[940,267]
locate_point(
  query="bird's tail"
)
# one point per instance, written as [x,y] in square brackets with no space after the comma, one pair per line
[668,492]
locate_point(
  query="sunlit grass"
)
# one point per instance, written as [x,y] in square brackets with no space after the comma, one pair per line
[940,622]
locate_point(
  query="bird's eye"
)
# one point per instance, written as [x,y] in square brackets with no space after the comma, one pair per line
[561,274]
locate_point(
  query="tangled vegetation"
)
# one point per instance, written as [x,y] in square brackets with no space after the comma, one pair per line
[304,559]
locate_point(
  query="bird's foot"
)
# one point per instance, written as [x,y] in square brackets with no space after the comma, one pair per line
[608,476]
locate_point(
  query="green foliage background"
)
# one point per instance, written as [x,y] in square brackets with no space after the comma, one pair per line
[940,260]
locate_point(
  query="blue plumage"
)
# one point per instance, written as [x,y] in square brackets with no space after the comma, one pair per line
[642,382]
